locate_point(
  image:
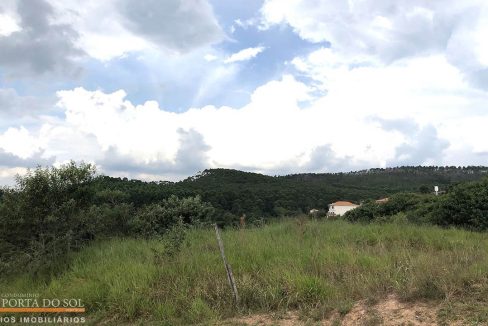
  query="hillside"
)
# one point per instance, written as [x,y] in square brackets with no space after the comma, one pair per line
[256,195]
[135,252]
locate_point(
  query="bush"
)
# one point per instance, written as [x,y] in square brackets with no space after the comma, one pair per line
[367,212]
[108,220]
[156,219]
[41,219]
[53,211]
[416,207]
[403,202]
[466,205]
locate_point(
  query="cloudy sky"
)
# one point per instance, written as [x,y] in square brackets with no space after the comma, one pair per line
[162,89]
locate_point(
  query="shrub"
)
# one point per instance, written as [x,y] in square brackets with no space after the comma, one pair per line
[402,202]
[41,218]
[156,219]
[367,212]
[466,205]
[418,208]
[108,220]
[174,238]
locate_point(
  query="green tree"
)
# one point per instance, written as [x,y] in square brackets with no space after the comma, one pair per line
[466,205]
[41,218]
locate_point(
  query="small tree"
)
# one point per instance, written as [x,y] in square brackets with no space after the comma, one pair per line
[466,205]
[41,217]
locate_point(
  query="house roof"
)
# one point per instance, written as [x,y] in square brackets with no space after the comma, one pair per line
[343,203]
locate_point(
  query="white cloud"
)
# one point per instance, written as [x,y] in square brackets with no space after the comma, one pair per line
[419,111]
[40,46]
[8,25]
[245,54]
[113,28]
[9,19]
[210,57]
[245,24]
[176,25]
[391,31]
[101,32]
[428,91]
[20,142]
[395,87]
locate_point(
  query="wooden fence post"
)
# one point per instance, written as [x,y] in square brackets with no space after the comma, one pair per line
[230,276]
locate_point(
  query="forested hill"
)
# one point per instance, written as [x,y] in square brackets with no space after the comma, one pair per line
[237,192]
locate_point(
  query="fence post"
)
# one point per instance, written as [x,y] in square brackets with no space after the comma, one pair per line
[230,276]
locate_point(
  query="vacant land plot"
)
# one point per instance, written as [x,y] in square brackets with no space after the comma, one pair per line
[317,271]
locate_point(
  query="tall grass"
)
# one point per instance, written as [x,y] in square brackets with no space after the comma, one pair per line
[311,266]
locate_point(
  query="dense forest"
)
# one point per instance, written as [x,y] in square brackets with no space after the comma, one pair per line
[256,195]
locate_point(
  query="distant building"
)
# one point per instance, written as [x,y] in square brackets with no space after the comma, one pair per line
[382,200]
[340,207]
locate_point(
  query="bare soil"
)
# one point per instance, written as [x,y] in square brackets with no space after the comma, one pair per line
[389,312]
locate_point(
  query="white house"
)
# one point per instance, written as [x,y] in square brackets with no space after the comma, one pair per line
[340,207]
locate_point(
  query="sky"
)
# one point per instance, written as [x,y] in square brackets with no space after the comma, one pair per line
[159,90]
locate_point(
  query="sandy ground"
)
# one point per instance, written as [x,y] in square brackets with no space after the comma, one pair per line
[387,312]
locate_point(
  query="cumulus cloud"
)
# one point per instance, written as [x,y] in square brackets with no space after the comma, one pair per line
[114,28]
[39,46]
[424,146]
[102,35]
[393,84]
[178,25]
[9,160]
[16,158]
[344,113]
[363,120]
[20,142]
[324,159]
[245,54]
[405,126]
[15,106]
[380,27]
[8,25]
[190,158]
[389,31]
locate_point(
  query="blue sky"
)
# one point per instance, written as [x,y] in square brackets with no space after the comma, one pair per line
[160,90]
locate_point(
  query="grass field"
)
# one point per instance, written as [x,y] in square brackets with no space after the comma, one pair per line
[313,267]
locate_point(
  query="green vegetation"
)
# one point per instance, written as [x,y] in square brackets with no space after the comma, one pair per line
[41,220]
[144,252]
[233,193]
[315,267]
[54,211]
[465,205]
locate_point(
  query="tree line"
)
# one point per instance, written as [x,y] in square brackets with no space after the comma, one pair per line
[51,212]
